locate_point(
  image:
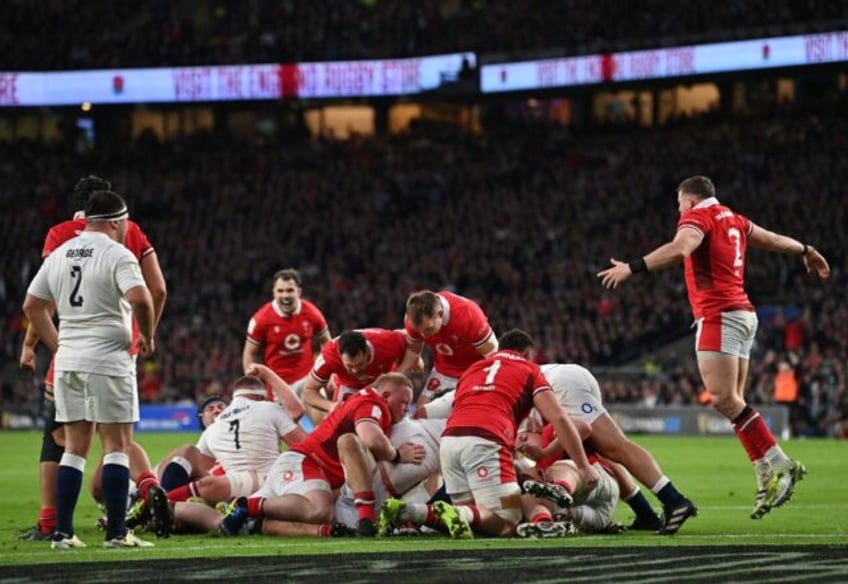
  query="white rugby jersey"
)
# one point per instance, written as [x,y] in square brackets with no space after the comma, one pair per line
[246,436]
[576,389]
[426,432]
[87,278]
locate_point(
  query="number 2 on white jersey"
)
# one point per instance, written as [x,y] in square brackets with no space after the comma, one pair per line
[736,236]
[76,275]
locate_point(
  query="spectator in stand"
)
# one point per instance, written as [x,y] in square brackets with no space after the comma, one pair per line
[162,34]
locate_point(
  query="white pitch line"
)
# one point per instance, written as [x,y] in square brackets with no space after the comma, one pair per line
[341,542]
[737,507]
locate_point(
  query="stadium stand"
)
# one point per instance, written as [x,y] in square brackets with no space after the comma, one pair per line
[521,224]
[520,217]
[76,34]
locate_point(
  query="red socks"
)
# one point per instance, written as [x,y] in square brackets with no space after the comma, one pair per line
[145,480]
[364,501]
[753,433]
[47,520]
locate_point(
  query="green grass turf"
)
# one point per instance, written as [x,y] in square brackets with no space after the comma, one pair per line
[714,472]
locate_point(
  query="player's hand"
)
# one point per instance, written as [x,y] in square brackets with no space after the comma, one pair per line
[531,451]
[618,273]
[256,370]
[815,262]
[146,346]
[418,367]
[27,358]
[412,453]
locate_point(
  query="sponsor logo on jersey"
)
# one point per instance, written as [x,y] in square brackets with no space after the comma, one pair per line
[444,349]
[292,342]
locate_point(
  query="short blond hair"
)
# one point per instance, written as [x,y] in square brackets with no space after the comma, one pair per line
[392,377]
[420,305]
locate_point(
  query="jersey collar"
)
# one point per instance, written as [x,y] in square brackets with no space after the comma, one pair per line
[445,309]
[279,310]
[706,203]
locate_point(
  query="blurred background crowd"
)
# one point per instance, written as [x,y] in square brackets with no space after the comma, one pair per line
[82,34]
[521,222]
[519,217]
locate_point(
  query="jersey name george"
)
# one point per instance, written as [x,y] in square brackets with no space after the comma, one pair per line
[87,277]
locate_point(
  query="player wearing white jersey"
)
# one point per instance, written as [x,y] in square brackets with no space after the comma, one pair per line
[590,510]
[403,481]
[578,391]
[245,442]
[186,463]
[97,287]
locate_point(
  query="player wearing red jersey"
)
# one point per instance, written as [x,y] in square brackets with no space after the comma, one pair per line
[456,330]
[357,358]
[282,331]
[493,397]
[299,487]
[711,241]
[52,441]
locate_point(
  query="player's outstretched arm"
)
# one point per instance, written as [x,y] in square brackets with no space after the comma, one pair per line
[287,396]
[669,254]
[814,261]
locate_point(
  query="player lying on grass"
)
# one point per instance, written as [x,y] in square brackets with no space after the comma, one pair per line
[556,500]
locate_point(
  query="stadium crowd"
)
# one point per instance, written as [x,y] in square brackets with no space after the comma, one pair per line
[72,34]
[521,225]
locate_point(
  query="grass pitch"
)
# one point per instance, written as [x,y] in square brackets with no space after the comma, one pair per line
[713,471]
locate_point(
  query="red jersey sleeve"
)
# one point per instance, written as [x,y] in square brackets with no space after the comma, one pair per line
[256,329]
[693,219]
[328,362]
[51,242]
[540,383]
[477,325]
[397,344]
[136,241]
[548,435]
[413,335]
[373,411]
[316,317]
[747,224]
